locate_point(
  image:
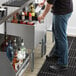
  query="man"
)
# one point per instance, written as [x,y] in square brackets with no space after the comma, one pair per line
[62,10]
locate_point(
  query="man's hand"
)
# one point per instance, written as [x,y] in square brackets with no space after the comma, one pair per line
[46,10]
[40,18]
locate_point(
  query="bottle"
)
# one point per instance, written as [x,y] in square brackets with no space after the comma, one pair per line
[14,20]
[23,14]
[10,51]
[30,17]
[15,47]
[20,57]
[32,10]
[4,44]
[15,62]
[23,49]
[18,16]
[30,20]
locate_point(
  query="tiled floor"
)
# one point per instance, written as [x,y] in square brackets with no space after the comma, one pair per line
[38,59]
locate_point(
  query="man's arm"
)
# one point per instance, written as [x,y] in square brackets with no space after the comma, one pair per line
[47,9]
[49,5]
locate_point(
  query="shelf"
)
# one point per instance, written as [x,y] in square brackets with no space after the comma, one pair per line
[7,69]
[15,3]
[24,65]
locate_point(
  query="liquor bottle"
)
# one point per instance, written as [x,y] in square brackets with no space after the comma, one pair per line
[23,49]
[10,51]
[23,14]
[14,20]
[15,47]
[18,15]
[4,45]
[32,10]
[30,17]
[15,62]
[30,20]
[20,57]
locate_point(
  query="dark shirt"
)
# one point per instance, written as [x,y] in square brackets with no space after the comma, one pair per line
[61,7]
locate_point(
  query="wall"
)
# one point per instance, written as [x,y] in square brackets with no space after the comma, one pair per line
[72,21]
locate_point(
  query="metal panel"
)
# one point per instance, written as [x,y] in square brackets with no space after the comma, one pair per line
[5,67]
[40,31]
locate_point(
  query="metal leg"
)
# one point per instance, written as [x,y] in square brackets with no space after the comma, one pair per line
[5,27]
[42,48]
[32,60]
[44,44]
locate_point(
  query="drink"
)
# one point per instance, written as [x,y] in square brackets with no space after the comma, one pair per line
[15,47]
[23,14]
[14,20]
[10,51]
[4,45]
[15,62]
[20,57]
[23,49]
[30,17]
[32,10]
[18,16]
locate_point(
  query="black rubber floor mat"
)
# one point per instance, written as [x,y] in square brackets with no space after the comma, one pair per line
[44,71]
[73,46]
[70,39]
[72,53]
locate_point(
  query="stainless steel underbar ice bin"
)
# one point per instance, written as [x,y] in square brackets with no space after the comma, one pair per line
[32,35]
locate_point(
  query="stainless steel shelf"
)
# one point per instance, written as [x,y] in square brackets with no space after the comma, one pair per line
[7,69]
[24,66]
